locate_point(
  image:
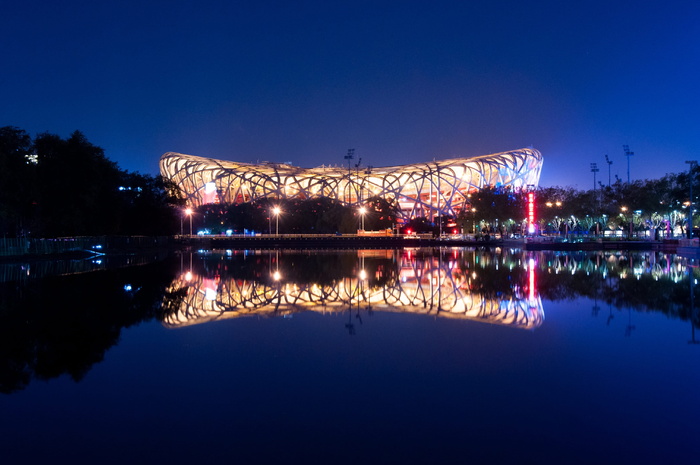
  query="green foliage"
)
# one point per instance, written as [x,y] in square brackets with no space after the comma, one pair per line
[297,216]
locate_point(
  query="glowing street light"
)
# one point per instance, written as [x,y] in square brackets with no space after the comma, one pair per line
[188,212]
[362,211]
[624,217]
[277,212]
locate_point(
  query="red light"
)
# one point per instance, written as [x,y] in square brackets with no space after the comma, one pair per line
[531,208]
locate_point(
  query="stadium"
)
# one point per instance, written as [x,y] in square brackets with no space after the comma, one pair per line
[437,188]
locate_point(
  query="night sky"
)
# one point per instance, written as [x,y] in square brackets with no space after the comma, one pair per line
[400,82]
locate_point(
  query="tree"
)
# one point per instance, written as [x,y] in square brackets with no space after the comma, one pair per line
[17,183]
[62,187]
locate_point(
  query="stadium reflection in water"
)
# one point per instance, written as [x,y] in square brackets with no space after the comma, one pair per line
[408,356]
[447,285]
[503,288]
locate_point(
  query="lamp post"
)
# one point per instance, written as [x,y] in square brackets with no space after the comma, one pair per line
[277,211]
[362,211]
[624,217]
[188,212]
[693,164]
[594,170]
[628,154]
[609,162]
[474,219]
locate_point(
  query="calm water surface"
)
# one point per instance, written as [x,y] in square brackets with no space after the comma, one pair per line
[458,356]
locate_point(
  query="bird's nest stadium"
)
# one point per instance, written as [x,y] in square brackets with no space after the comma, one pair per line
[437,188]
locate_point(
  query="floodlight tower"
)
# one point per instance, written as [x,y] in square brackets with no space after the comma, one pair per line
[628,154]
[693,164]
[594,170]
[609,162]
[349,157]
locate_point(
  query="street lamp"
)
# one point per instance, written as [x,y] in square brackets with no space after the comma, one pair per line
[362,211]
[188,212]
[624,217]
[474,219]
[277,211]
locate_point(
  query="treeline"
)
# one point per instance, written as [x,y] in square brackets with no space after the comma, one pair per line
[644,205]
[53,187]
[295,216]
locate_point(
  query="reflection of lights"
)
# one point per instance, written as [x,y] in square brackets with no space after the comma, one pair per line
[429,285]
[531,276]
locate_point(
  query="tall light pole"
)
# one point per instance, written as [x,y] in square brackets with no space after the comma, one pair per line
[594,170]
[277,211]
[628,154]
[693,164]
[349,157]
[362,211]
[609,162]
[188,212]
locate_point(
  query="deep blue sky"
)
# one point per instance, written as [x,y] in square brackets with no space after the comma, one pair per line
[400,82]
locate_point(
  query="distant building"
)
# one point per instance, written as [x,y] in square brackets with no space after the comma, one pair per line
[437,188]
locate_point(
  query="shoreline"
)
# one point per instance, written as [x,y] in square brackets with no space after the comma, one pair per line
[86,247]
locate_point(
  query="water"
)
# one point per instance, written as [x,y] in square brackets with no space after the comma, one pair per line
[464,356]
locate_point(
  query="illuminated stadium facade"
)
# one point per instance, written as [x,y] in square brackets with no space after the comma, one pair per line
[437,188]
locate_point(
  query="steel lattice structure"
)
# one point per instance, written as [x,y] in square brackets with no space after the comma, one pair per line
[423,189]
